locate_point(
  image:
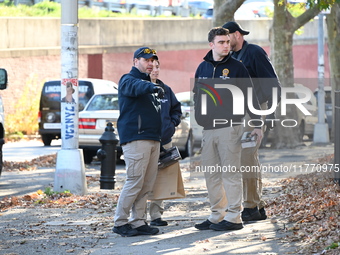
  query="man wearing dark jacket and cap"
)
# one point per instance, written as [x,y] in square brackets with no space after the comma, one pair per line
[220,95]
[139,126]
[266,85]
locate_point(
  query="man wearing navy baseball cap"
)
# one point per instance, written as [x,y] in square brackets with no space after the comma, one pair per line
[145,52]
[265,82]
[139,126]
[232,26]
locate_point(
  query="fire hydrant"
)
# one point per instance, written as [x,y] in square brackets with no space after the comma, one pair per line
[107,155]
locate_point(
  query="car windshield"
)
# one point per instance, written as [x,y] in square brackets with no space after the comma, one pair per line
[104,102]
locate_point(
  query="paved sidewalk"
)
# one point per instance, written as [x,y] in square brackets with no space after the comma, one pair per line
[89,232]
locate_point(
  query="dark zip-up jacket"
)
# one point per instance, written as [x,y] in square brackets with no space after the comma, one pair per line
[220,102]
[140,109]
[261,71]
[171,113]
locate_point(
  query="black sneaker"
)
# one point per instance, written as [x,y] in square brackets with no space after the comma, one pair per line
[204,225]
[146,230]
[263,213]
[226,225]
[251,214]
[125,230]
[158,222]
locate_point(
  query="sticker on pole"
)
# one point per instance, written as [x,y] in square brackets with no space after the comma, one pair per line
[69,87]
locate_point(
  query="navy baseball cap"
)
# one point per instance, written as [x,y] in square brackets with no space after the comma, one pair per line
[232,26]
[145,52]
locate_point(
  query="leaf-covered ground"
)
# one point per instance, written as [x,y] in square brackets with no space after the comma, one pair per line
[310,203]
[43,161]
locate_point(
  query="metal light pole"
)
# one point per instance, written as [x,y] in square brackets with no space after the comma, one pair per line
[70,167]
[321,133]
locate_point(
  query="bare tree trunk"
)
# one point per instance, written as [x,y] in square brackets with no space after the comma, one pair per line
[224,11]
[282,57]
[282,31]
[333,32]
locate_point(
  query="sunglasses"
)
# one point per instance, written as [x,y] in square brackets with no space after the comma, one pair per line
[147,51]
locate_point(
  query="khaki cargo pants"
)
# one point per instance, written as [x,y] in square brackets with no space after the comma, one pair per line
[221,158]
[141,160]
[252,181]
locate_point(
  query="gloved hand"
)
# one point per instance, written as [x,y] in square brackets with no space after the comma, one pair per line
[270,121]
[159,90]
[162,151]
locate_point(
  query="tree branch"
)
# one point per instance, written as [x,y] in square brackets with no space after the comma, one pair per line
[306,17]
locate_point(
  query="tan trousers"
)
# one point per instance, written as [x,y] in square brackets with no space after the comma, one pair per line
[252,181]
[222,148]
[156,206]
[141,160]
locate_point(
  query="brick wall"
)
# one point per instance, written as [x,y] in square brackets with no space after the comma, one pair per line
[32,52]
[177,67]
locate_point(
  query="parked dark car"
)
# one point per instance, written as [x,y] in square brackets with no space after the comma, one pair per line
[49,110]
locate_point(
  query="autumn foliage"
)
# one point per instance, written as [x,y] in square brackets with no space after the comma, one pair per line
[311,203]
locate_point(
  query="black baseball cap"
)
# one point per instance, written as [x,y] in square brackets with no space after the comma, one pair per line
[145,52]
[232,26]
